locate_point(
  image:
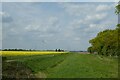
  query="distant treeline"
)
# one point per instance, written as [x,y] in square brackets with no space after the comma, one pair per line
[107,42]
[57,50]
[18,50]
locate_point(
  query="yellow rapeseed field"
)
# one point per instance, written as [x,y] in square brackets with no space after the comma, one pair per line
[16,53]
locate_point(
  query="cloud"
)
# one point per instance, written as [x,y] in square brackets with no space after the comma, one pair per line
[2,13]
[85,8]
[103,7]
[6,18]
[46,28]
[75,9]
[32,27]
[96,16]
[83,23]
[50,25]
[90,23]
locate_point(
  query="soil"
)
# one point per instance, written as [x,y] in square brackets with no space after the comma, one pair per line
[13,69]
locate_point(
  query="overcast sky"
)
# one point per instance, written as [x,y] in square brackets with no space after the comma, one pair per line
[59,0]
[69,26]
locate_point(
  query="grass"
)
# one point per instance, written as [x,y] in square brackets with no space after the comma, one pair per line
[69,65]
[84,66]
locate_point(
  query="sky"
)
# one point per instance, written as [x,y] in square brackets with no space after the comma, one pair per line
[54,25]
[59,0]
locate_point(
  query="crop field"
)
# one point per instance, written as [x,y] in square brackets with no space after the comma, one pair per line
[26,53]
[59,65]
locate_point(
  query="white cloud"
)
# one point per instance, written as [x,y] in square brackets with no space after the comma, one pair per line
[96,26]
[92,25]
[4,14]
[36,27]
[1,13]
[32,27]
[49,25]
[83,23]
[86,9]
[77,10]
[96,16]
[103,7]
[100,16]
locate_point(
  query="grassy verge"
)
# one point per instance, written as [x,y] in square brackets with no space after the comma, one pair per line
[69,65]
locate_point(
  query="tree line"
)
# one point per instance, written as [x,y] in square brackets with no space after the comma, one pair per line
[18,50]
[57,50]
[107,42]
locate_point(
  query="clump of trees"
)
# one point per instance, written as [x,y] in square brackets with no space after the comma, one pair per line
[107,42]
[59,50]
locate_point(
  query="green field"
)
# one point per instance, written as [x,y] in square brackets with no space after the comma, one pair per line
[68,65]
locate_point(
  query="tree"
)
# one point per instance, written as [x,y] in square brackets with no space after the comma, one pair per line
[105,43]
[59,50]
[90,49]
[117,11]
[118,28]
[56,50]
